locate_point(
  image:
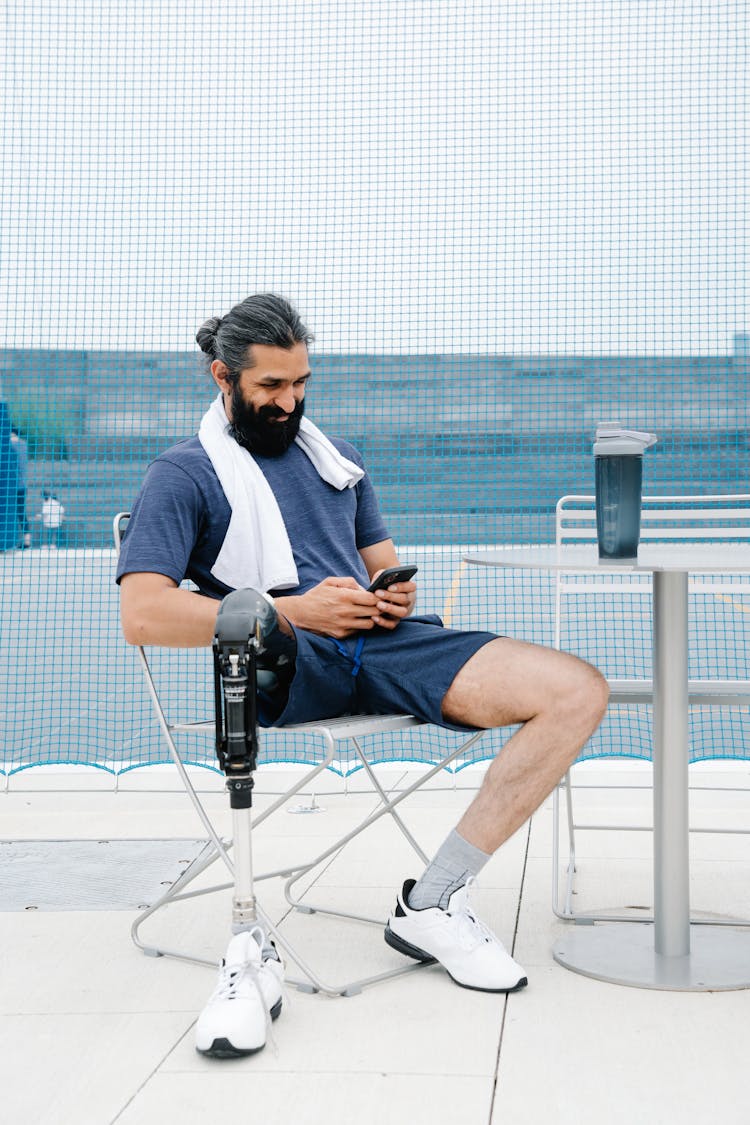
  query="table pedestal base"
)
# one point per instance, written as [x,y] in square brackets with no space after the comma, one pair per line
[623,953]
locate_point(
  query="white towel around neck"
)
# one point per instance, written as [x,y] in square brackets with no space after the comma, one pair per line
[256,550]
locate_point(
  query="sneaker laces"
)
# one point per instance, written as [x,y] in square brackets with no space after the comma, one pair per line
[471,930]
[232,977]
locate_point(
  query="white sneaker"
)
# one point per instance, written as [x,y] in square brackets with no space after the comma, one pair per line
[464,946]
[235,1020]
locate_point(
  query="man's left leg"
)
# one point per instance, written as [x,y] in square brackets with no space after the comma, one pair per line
[248,993]
[560,701]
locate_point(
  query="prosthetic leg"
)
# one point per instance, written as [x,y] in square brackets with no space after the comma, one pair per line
[245,619]
[248,994]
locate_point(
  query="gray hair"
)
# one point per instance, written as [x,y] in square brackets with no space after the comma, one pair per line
[264,318]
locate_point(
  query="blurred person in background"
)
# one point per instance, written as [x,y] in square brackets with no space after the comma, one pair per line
[51,516]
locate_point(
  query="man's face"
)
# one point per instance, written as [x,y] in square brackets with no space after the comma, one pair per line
[266,404]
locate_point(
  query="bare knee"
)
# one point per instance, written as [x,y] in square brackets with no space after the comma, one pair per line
[508,682]
[585,693]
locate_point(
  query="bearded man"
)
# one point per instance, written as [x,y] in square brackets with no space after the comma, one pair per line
[261,499]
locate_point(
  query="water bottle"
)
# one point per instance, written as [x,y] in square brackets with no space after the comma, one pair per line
[618,461]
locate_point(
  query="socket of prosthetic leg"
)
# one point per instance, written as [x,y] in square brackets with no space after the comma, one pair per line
[245,617]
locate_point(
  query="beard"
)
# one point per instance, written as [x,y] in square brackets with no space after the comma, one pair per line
[259,431]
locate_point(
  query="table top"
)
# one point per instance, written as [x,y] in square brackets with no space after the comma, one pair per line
[694,558]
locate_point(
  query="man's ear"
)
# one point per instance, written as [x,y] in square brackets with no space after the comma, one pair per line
[220,373]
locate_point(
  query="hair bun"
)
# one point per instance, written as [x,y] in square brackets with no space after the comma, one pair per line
[206,335]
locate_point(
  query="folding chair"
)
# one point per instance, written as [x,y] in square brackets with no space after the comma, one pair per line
[715,518]
[349,730]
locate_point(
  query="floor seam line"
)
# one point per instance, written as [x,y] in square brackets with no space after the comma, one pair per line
[524,867]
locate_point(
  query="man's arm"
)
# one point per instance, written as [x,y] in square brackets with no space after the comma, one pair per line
[379,556]
[155,611]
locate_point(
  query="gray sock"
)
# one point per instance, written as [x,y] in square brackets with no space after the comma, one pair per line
[454,863]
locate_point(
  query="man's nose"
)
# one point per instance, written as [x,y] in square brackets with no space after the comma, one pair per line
[285,400]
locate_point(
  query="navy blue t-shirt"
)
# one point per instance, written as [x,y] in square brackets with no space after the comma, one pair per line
[181,515]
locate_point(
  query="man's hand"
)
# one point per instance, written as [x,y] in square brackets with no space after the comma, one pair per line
[339,607]
[336,607]
[395,602]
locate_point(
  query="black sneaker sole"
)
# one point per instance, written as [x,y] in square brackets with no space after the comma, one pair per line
[504,991]
[418,954]
[224,1049]
[406,948]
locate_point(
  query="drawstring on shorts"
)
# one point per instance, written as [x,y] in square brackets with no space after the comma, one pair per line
[356,657]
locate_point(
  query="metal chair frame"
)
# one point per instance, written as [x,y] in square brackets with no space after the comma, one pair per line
[349,729]
[683,518]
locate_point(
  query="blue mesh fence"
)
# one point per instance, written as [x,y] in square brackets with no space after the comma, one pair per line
[504,223]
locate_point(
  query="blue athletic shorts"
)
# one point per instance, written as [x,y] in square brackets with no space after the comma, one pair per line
[380,671]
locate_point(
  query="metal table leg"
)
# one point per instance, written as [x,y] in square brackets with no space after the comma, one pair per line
[668,954]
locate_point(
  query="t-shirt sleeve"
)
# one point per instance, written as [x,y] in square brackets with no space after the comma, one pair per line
[164,524]
[370,527]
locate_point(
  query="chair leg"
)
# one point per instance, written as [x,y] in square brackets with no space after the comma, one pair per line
[314,983]
[384,798]
[565,912]
[589,918]
[386,807]
[571,842]
[214,849]
[175,893]
[245,907]
[241,911]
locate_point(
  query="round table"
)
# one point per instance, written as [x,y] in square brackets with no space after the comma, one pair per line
[669,953]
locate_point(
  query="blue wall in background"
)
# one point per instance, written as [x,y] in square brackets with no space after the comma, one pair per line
[462,449]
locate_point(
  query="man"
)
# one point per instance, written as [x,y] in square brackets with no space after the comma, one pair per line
[261,499]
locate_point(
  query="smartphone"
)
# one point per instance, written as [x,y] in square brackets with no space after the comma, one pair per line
[392,574]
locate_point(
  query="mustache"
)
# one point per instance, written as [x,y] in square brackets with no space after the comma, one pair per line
[266,413]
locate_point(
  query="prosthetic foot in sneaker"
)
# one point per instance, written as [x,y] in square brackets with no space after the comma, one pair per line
[464,946]
[235,1020]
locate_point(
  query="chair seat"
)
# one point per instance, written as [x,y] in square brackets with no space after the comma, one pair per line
[343,727]
[357,726]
